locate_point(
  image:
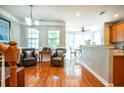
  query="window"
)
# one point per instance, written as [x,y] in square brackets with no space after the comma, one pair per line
[78,40]
[33,38]
[97,38]
[88,35]
[53,38]
[74,39]
[70,39]
[94,36]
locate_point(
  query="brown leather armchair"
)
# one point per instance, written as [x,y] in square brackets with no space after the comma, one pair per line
[28,57]
[57,59]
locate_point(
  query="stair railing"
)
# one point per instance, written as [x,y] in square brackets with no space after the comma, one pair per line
[11,56]
[3,72]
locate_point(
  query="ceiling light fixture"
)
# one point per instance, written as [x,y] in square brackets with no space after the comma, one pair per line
[77,14]
[29,19]
[116,15]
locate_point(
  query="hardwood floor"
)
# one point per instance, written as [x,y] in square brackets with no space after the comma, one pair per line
[73,74]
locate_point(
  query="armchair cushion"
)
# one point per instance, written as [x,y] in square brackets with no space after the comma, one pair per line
[59,52]
[57,58]
[29,58]
[28,54]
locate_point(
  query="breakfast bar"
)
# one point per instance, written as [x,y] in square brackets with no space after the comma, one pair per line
[98,60]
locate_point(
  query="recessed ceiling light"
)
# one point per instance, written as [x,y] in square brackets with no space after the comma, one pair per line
[116,15]
[77,14]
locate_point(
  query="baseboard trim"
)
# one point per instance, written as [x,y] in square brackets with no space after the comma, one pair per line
[98,77]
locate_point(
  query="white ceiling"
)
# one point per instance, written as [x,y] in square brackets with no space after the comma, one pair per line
[89,14]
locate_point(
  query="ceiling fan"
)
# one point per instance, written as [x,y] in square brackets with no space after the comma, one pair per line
[83,29]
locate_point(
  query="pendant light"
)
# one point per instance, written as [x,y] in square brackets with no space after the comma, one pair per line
[29,19]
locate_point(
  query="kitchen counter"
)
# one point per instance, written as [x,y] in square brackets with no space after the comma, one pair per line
[99,59]
[99,46]
[106,62]
[118,53]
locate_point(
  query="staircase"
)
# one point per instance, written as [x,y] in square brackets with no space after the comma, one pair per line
[10,55]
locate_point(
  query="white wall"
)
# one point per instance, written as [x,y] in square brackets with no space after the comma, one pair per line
[15,33]
[9,16]
[15,29]
[44,35]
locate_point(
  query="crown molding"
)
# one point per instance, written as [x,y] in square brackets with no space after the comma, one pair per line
[48,23]
[9,16]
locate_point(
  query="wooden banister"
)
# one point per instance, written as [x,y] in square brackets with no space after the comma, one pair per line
[3,48]
[11,56]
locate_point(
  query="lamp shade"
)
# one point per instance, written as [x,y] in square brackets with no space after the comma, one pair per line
[36,22]
[28,20]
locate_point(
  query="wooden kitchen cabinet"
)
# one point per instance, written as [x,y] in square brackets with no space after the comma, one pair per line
[113,33]
[120,32]
[118,71]
[117,33]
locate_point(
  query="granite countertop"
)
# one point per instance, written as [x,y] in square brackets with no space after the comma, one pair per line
[118,53]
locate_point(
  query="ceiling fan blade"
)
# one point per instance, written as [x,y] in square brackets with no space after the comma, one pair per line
[83,30]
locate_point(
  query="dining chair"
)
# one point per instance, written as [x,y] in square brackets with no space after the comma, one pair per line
[72,52]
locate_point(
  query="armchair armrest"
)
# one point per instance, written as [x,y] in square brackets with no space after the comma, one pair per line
[63,54]
[21,58]
[53,55]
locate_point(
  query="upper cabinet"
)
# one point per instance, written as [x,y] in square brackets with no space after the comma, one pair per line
[113,32]
[120,32]
[117,33]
